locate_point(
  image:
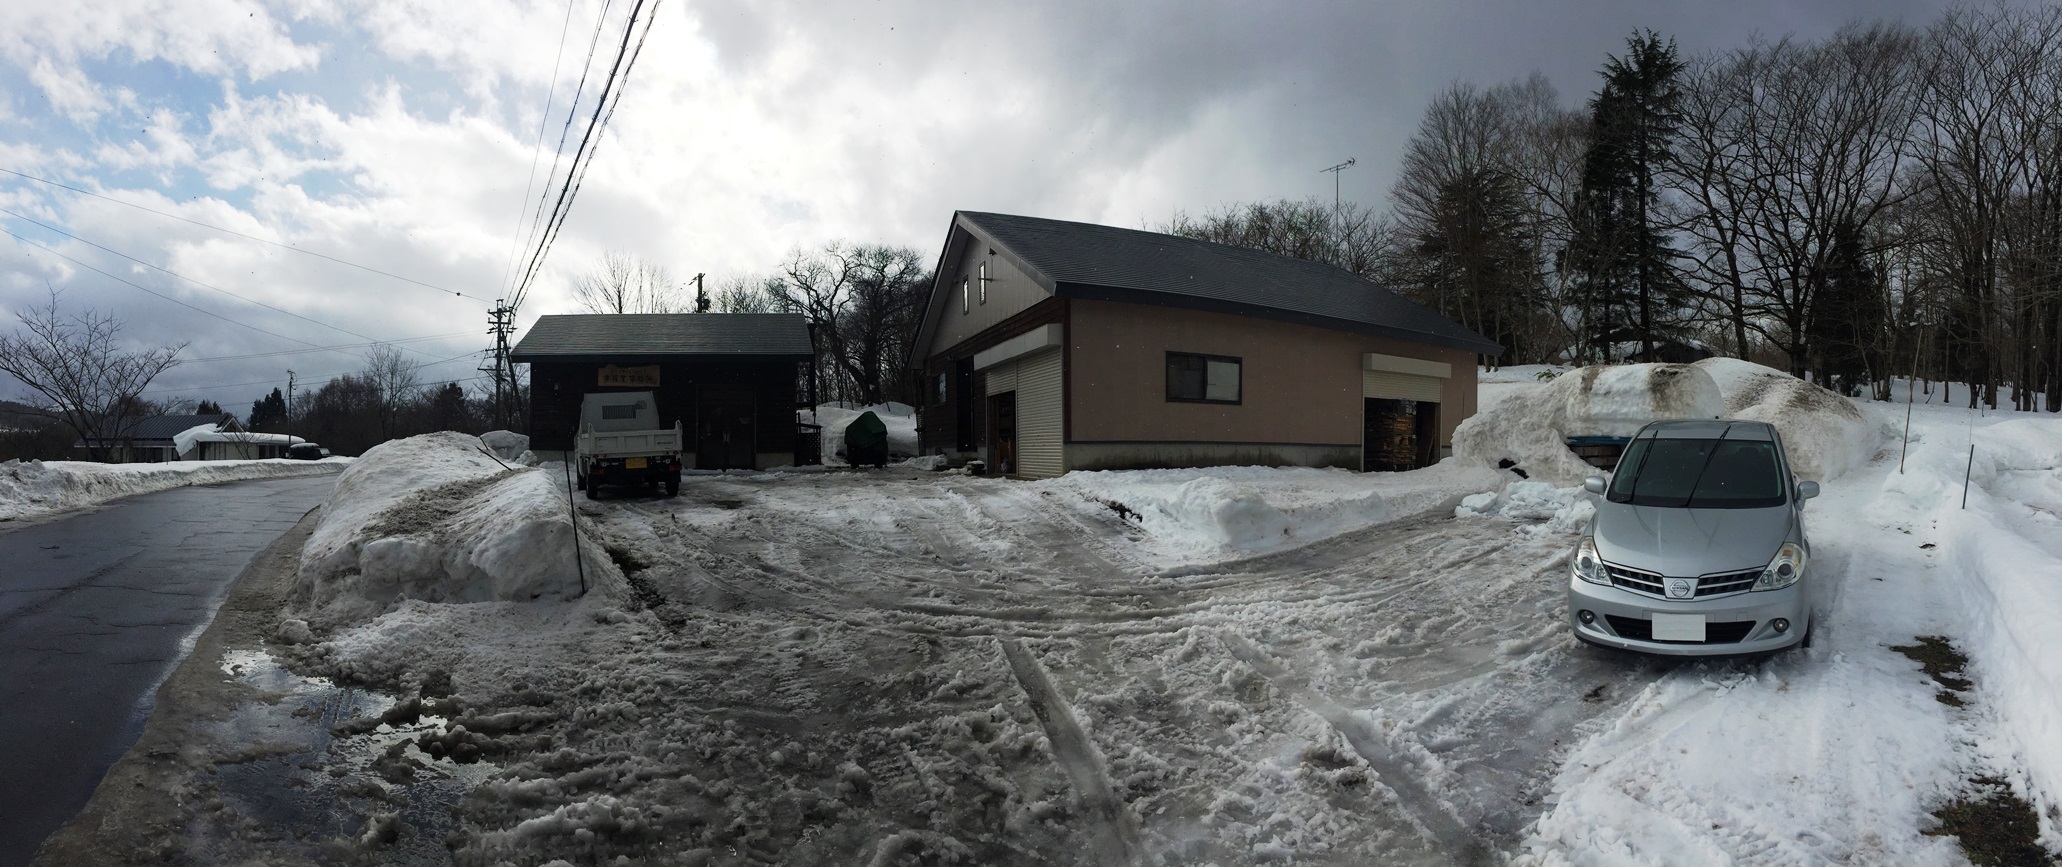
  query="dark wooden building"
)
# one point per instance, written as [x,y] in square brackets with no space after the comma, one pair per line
[733,380]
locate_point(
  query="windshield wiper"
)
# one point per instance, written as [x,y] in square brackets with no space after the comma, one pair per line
[1708,456]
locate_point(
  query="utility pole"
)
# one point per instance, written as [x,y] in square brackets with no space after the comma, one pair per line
[500,323]
[287,424]
[701,297]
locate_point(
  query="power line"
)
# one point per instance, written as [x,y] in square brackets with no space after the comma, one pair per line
[242,235]
[590,141]
[139,288]
[572,111]
[338,347]
[188,279]
[328,378]
[515,242]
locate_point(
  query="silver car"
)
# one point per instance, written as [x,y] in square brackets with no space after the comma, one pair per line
[1697,547]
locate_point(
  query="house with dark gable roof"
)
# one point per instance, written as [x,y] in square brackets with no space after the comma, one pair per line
[730,379]
[1051,346]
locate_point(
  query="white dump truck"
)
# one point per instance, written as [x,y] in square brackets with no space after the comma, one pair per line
[620,442]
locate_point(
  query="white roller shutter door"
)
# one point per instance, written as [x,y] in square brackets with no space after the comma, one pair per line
[1400,386]
[1041,416]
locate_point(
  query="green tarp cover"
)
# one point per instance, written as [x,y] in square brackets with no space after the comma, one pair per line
[866,431]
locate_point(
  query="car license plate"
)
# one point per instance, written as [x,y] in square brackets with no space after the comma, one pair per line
[638,464]
[1678,627]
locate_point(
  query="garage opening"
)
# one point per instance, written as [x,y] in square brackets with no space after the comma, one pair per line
[1399,434]
[1002,431]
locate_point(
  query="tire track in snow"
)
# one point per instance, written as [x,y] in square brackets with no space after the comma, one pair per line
[1117,836]
[1417,802]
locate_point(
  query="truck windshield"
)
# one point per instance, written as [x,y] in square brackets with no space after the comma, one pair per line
[1699,474]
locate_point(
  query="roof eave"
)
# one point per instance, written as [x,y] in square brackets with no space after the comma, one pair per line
[1150,298]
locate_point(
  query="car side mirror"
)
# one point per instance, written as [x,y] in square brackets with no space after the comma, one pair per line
[1807,490]
[1593,484]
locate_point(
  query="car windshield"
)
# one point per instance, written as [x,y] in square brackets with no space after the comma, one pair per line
[1699,474]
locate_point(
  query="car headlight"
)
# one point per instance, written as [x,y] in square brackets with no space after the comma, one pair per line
[1587,565]
[1784,570]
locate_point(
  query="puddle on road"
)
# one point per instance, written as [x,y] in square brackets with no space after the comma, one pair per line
[309,789]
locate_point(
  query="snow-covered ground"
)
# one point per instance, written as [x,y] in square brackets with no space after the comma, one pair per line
[36,489]
[1224,666]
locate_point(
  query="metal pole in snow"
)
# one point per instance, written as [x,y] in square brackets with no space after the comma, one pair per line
[1907,446]
[1971,466]
[573,511]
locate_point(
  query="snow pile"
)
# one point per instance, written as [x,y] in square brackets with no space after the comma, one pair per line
[506,445]
[184,441]
[434,518]
[1210,512]
[1592,401]
[900,418]
[1825,435]
[33,489]
[1548,509]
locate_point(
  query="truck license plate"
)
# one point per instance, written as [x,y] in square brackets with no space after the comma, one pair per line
[633,463]
[1678,627]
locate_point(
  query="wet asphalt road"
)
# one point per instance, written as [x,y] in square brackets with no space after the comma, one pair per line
[95,611]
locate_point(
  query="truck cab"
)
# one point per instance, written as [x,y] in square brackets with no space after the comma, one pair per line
[621,442]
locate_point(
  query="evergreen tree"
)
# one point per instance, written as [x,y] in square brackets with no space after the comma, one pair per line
[207,407]
[268,412]
[1848,314]
[1620,252]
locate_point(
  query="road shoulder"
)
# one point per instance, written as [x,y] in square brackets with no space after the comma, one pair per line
[142,808]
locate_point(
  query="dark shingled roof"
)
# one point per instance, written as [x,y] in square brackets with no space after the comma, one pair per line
[614,337]
[1085,260]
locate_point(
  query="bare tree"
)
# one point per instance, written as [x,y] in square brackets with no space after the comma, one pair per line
[624,283]
[1351,236]
[863,302]
[78,364]
[394,381]
[744,295]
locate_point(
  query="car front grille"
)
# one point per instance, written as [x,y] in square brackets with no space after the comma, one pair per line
[1731,632]
[1641,582]
[1708,585]
[1716,585]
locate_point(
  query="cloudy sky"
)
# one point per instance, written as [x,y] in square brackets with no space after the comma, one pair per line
[403,138]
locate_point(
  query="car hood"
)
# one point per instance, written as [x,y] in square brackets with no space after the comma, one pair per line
[1689,542]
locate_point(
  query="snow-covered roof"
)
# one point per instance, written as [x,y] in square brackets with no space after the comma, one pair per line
[185,440]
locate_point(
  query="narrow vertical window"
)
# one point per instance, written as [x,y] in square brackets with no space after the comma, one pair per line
[966,303]
[984,282]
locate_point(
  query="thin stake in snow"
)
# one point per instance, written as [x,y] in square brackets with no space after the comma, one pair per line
[1966,469]
[573,512]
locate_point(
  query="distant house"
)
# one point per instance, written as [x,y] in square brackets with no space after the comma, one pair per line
[150,439]
[1051,346]
[217,443]
[730,379]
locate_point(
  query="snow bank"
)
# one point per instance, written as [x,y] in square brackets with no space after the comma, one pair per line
[1547,509]
[506,445]
[1591,401]
[900,419]
[34,489]
[2004,553]
[1825,435]
[1209,512]
[433,518]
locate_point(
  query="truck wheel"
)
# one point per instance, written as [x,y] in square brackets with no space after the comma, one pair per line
[593,492]
[579,483]
[672,487]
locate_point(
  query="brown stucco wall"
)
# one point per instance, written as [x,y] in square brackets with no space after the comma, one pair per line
[1300,384]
